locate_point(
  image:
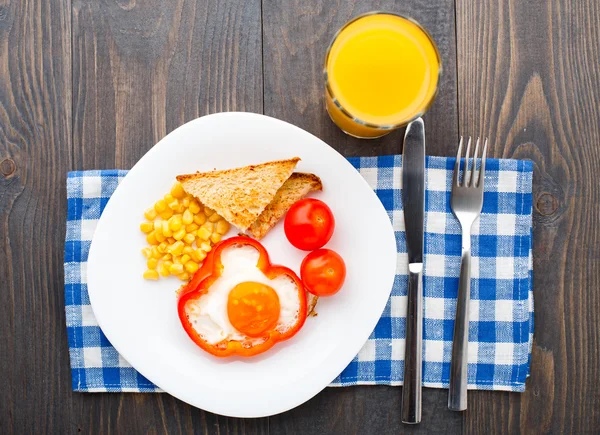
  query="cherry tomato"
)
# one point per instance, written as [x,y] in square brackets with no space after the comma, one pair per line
[309,224]
[323,272]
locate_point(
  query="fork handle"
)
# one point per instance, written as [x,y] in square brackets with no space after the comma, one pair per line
[457,394]
[413,358]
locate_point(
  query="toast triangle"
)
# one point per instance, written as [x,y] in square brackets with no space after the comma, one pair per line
[239,195]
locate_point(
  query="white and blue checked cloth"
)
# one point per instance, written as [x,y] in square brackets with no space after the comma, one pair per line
[501,310]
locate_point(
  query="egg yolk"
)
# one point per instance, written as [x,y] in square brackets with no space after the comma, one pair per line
[253,308]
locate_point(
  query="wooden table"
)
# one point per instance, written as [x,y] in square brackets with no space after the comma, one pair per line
[93,84]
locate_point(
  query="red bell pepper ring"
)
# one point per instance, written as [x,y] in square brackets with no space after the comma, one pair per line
[210,271]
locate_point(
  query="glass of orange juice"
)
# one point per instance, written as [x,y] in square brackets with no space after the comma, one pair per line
[381,72]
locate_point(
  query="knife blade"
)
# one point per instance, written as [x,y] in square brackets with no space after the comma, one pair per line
[413,197]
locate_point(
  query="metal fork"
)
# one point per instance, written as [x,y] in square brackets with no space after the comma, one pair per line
[466,202]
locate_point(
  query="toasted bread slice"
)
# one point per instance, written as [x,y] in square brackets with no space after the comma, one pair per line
[295,188]
[311,302]
[239,195]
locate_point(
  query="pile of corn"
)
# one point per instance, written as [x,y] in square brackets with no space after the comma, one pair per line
[179,231]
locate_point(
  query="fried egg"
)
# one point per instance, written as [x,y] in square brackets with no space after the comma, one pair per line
[243,304]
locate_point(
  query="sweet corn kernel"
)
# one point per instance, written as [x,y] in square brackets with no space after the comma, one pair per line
[167,263]
[179,234]
[186,201]
[198,255]
[184,276]
[181,208]
[191,267]
[205,246]
[209,226]
[176,269]
[160,237]
[146,227]
[162,248]
[150,274]
[156,253]
[170,240]
[194,206]
[157,225]
[152,263]
[189,238]
[147,252]
[188,250]
[222,227]
[166,257]
[174,205]
[160,205]
[192,227]
[164,270]
[187,218]
[166,229]
[208,211]
[176,248]
[185,258]
[214,217]
[175,223]
[166,214]
[177,191]
[151,238]
[168,197]
[215,237]
[176,260]
[150,214]
[200,218]
[203,233]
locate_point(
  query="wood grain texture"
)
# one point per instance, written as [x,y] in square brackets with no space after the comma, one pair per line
[296,36]
[35,140]
[529,79]
[141,69]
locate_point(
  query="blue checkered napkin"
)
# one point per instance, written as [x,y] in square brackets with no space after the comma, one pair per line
[501,309]
[95,365]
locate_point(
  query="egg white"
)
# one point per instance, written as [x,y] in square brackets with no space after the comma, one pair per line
[208,314]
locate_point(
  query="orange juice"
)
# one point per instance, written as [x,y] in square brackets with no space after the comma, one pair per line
[381,72]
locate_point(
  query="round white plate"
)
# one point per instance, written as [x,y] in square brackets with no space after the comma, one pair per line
[139,317]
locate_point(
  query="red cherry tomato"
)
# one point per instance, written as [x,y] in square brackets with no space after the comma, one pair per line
[323,272]
[309,224]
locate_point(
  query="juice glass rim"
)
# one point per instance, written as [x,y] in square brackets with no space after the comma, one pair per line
[343,109]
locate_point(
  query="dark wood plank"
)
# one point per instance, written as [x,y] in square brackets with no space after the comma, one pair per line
[529,79]
[366,410]
[141,69]
[296,35]
[35,146]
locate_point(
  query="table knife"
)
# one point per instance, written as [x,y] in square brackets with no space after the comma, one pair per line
[413,197]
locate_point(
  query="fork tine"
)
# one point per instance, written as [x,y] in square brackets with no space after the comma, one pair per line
[482,166]
[455,176]
[466,169]
[473,171]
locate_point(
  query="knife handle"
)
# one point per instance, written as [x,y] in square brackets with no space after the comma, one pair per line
[411,392]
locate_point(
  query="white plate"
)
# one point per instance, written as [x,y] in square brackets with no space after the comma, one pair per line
[139,317]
